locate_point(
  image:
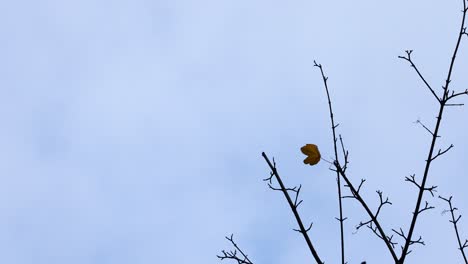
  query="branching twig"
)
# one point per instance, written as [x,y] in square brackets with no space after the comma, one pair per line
[408,58]
[454,221]
[373,218]
[426,207]
[292,205]
[382,202]
[370,223]
[431,189]
[440,153]
[453,95]
[402,234]
[232,254]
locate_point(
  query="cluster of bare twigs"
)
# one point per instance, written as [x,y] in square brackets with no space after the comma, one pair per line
[340,165]
[233,253]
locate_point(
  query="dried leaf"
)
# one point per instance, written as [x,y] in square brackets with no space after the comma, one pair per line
[312,153]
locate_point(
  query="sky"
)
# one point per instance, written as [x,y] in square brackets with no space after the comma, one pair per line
[132,131]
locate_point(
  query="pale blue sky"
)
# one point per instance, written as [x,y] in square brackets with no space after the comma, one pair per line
[132,130]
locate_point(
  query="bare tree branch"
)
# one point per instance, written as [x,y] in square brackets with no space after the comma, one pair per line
[357,196]
[455,222]
[453,95]
[431,189]
[333,126]
[370,223]
[233,253]
[443,102]
[408,58]
[292,205]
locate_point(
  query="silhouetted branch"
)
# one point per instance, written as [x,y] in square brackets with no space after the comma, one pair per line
[333,126]
[370,223]
[232,254]
[382,202]
[292,205]
[373,218]
[453,95]
[402,234]
[296,204]
[426,207]
[431,189]
[455,222]
[440,153]
[412,180]
[425,127]
[360,185]
[408,58]
[443,102]
[345,155]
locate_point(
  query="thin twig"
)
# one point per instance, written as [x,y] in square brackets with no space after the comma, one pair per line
[408,58]
[424,126]
[454,221]
[333,127]
[453,95]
